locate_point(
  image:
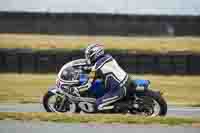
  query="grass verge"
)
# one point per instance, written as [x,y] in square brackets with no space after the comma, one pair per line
[29,88]
[98,118]
[154,44]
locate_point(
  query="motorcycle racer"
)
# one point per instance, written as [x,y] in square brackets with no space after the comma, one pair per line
[116,80]
[97,84]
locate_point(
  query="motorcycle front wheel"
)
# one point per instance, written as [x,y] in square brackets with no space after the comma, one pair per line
[56,103]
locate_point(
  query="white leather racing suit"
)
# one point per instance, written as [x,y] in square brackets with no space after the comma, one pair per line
[115,79]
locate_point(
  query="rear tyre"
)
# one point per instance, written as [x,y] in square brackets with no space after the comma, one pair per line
[151,99]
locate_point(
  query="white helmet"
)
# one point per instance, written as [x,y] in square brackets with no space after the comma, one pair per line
[94,51]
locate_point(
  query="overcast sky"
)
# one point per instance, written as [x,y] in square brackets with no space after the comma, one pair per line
[170,7]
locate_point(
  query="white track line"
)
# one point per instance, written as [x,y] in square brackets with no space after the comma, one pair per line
[185,109]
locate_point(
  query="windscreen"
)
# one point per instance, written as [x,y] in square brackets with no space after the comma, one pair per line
[71,71]
[70,74]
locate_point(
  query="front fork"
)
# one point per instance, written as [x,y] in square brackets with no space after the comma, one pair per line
[60,98]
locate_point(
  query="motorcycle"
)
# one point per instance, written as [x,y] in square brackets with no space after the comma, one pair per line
[64,97]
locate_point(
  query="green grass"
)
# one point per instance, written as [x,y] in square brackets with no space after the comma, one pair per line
[98,118]
[154,44]
[25,88]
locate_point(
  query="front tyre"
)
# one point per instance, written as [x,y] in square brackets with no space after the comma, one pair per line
[152,103]
[59,104]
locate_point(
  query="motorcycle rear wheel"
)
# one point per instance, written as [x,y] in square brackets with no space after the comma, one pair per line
[149,100]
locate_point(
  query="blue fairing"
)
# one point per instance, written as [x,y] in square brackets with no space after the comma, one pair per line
[83,78]
[141,82]
[99,90]
[97,87]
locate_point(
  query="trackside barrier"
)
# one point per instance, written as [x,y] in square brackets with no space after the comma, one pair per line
[29,61]
[99,24]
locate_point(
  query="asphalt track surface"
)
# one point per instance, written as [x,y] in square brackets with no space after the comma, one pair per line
[172,110]
[11,126]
